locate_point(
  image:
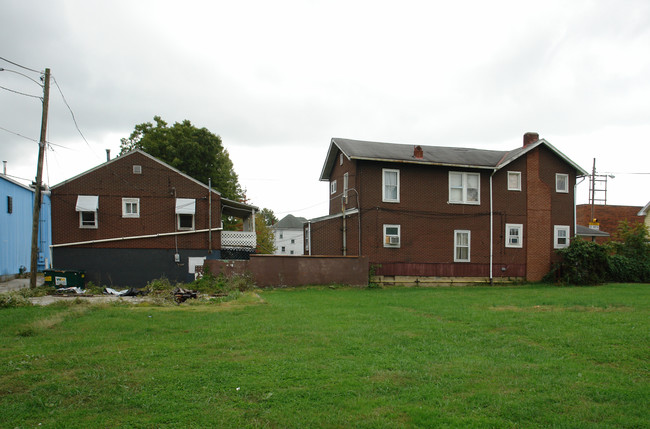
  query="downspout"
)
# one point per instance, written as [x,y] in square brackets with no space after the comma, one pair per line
[309,238]
[345,230]
[491,229]
[210,215]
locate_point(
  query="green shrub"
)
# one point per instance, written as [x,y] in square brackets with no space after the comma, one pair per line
[14,298]
[582,263]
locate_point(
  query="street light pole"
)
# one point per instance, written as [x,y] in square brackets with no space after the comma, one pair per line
[38,184]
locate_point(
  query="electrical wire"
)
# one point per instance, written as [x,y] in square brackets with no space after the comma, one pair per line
[18,65]
[71,112]
[21,93]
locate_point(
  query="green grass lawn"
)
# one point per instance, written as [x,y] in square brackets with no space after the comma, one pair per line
[531,356]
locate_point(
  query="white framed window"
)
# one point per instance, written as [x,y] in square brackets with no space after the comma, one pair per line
[561,182]
[340,159]
[283,249]
[514,235]
[514,180]
[561,236]
[185,210]
[293,241]
[345,187]
[392,236]
[130,207]
[87,206]
[333,187]
[464,188]
[88,220]
[461,246]
[390,185]
[137,169]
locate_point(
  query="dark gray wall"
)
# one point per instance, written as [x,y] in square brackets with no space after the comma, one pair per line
[127,267]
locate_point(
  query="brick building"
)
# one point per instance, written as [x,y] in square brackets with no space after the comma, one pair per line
[608,217]
[423,212]
[135,218]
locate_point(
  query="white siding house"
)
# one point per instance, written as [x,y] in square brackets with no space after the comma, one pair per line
[289,236]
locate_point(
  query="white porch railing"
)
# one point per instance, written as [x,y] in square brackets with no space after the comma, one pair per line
[238,240]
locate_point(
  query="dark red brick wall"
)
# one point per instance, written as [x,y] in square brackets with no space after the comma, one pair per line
[157,187]
[608,216]
[428,221]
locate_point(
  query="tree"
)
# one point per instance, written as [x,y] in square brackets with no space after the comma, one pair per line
[265,237]
[269,216]
[194,151]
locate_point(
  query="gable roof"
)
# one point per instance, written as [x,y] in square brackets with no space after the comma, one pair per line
[644,211]
[432,155]
[232,204]
[290,222]
[15,182]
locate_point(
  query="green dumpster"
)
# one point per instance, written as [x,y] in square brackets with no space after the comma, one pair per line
[65,278]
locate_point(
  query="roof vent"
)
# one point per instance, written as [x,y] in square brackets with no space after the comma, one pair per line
[530,138]
[418,153]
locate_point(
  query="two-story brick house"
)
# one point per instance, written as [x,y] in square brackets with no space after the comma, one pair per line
[135,218]
[427,211]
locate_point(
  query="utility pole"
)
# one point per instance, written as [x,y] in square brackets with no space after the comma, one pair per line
[38,183]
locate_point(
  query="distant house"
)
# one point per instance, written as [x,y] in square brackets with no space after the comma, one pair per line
[135,218]
[16,221]
[607,218]
[288,235]
[423,212]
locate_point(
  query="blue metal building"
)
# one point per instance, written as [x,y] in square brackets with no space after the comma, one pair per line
[16,213]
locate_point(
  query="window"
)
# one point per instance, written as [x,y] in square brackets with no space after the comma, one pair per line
[514,235]
[345,187]
[130,207]
[333,187]
[137,169]
[291,252]
[561,236]
[185,210]
[390,186]
[562,182]
[514,180]
[340,159]
[392,235]
[87,206]
[281,236]
[461,246]
[293,241]
[283,249]
[10,204]
[464,188]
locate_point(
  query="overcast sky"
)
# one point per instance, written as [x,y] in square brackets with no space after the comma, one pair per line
[277,80]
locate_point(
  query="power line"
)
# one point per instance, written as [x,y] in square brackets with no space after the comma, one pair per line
[18,65]
[33,140]
[71,112]
[22,74]
[20,93]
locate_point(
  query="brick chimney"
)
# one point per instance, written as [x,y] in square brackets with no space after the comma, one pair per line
[530,138]
[418,153]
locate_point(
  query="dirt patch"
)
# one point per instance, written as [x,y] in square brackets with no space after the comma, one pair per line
[96,299]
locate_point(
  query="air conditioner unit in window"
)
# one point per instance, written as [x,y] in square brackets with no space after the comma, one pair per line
[393,240]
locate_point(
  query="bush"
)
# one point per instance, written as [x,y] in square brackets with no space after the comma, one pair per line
[582,263]
[14,298]
[221,284]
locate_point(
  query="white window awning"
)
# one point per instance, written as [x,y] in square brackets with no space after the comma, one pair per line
[185,206]
[87,203]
